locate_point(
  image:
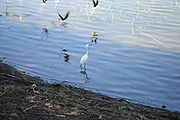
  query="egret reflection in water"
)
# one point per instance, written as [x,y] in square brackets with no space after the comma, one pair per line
[85,74]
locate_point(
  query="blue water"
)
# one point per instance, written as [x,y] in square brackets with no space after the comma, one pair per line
[136,57]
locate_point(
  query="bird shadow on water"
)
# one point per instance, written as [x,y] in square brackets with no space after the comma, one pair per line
[44,33]
[64,24]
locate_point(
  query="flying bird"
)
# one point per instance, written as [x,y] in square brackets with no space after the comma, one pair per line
[44,1]
[66,16]
[95,3]
[84,58]
[42,5]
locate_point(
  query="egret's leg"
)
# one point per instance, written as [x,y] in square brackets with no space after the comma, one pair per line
[84,67]
[81,67]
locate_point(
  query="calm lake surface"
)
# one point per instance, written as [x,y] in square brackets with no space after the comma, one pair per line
[136,54]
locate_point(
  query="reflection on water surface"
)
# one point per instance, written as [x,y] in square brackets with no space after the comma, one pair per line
[135,50]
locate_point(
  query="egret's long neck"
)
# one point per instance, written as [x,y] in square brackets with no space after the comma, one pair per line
[86,50]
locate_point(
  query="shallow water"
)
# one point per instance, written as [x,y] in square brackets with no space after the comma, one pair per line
[136,55]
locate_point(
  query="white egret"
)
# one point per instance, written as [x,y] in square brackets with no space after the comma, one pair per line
[84,59]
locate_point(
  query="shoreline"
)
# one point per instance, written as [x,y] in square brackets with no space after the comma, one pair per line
[25,97]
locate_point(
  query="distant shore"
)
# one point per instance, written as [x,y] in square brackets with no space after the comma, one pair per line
[25,97]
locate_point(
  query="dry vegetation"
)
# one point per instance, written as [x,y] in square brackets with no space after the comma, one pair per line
[59,101]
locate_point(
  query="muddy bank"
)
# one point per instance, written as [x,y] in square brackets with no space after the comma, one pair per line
[26,97]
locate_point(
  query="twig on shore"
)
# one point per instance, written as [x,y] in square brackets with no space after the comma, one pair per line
[48,114]
[4,92]
[31,107]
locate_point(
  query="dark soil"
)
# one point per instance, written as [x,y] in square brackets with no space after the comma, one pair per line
[59,101]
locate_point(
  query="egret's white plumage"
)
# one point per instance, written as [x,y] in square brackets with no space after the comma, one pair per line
[84,58]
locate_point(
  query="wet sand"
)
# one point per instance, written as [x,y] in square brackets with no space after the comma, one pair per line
[55,101]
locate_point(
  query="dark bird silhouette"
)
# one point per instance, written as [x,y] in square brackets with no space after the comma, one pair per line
[64,50]
[95,3]
[94,39]
[66,16]
[66,57]
[44,1]
[45,30]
